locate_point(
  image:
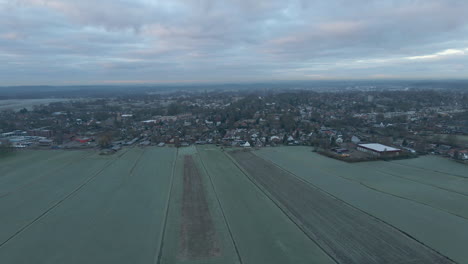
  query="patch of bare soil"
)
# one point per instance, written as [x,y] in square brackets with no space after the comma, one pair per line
[345,233]
[198,239]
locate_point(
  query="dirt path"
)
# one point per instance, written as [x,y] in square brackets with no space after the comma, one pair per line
[198,235]
[347,234]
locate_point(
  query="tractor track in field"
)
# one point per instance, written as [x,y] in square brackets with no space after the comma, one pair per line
[44,175]
[424,183]
[280,207]
[346,233]
[407,198]
[28,160]
[413,201]
[159,252]
[130,173]
[198,235]
[55,205]
[431,170]
[236,248]
[366,185]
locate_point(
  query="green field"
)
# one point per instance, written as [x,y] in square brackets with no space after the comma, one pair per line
[261,231]
[411,206]
[79,207]
[204,205]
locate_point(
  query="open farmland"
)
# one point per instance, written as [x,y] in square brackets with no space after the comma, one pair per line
[195,230]
[204,205]
[436,227]
[78,207]
[347,234]
[261,231]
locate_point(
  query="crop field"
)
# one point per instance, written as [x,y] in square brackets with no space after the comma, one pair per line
[205,205]
[79,207]
[399,195]
[195,231]
[261,231]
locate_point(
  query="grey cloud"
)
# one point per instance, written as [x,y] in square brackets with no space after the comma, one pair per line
[206,39]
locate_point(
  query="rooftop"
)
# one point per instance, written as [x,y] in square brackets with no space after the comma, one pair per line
[378,147]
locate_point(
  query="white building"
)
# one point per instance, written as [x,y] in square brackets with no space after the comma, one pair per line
[379,150]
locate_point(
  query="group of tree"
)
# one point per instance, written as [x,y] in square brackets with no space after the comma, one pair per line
[105,140]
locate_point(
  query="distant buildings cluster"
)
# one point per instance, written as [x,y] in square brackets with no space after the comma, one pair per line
[408,121]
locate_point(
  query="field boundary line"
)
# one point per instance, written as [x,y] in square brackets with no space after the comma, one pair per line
[58,202]
[399,196]
[221,208]
[44,175]
[423,169]
[158,255]
[411,200]
[29,158]
[382,191]
[130,173]
[285,211]
[428,184]
[352,206]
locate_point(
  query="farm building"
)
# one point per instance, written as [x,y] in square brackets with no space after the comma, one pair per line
[458,154]
[379,150]
[463,155]
[45,142]
[41,133]
[82,140]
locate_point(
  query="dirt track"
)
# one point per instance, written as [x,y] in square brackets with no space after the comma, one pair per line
[198,235]
[347,234]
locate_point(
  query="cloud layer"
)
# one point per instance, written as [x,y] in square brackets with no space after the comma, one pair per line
[112,41]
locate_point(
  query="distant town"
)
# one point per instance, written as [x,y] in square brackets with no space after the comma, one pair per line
[353,125]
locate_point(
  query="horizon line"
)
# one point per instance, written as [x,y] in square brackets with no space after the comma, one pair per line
[201,82]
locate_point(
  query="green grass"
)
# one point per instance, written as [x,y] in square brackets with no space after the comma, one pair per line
[262,232]
[80,207]
[171,248]
[437,164]
[424,212]
[94,210]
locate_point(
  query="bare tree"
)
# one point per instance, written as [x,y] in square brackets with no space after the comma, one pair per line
[105,140]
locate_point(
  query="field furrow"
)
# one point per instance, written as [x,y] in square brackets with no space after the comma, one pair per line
[198,235]
[196,205]
[346,233]
[420,221]
[261,231]
[115,218]
[196,231]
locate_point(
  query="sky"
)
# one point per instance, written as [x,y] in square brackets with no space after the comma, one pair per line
[74,42]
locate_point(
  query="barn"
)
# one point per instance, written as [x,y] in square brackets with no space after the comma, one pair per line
[379,150]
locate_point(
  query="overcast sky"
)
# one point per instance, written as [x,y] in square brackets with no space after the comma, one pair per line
[150,41]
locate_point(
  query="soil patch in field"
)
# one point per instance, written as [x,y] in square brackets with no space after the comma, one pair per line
[345,233]
[198,239]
